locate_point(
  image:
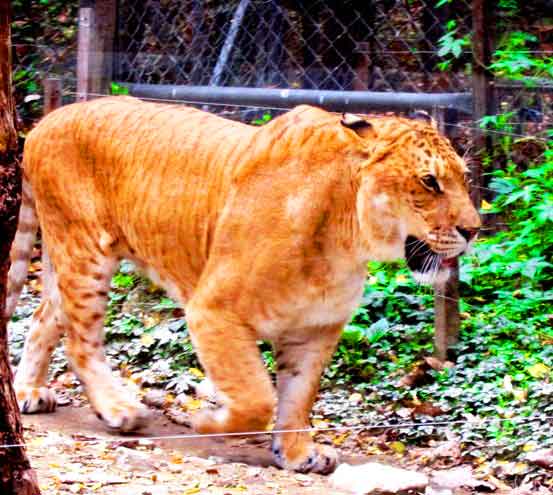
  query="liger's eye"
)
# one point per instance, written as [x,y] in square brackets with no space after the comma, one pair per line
[431,183]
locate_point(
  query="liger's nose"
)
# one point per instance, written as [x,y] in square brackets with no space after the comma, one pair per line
[468,234]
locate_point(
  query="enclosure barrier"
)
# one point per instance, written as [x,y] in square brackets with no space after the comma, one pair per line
[334,101]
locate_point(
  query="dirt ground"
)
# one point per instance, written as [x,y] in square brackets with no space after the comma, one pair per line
[73,453]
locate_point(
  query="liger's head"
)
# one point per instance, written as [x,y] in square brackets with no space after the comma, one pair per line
[413,200]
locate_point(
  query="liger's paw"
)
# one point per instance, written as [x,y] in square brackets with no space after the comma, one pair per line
[312,458]
[211,420]
[123,416]
[35,399]
[228,420]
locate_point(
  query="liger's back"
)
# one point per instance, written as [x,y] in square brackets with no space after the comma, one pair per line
[153,176]
[126,132]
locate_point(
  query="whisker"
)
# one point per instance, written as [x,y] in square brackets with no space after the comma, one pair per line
[474,186]
[437,266]
[468,152]
[416,241]
[426,270]
[417,251]
[441,296]
[427,263]
[434,266]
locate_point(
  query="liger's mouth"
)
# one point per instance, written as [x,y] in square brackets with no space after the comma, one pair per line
[422,259]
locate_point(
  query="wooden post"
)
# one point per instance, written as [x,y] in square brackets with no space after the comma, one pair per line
[95,47]
[16,475]
[446,299]
[52,94]
[84,53]
[446,314]
[447,319]
[482,87]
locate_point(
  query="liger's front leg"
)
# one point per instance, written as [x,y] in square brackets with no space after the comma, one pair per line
[228,351]
[301,358]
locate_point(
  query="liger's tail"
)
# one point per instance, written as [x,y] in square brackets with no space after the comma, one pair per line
[22,248]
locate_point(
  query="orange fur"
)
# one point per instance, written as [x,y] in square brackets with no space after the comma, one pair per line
[260,233]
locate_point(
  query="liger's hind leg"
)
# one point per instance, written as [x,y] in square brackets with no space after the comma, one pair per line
[47,326]
[33,394]
[84,286]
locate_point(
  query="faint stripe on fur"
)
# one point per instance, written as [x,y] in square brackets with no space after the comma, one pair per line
[21,250]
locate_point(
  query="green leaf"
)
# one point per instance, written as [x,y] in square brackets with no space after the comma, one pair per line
[118,89]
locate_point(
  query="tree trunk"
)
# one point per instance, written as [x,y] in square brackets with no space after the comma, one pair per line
[16,475]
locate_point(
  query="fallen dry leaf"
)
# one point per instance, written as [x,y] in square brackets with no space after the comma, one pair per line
[437,364]
[538,370]
[154,397]
[416,376]
[542,457]
[427,409]
[196,372]
[459,477]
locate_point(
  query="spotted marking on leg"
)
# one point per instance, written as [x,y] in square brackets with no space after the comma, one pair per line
[300,362]
[84,297]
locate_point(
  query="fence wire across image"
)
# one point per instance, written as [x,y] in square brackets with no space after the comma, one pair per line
[386,45]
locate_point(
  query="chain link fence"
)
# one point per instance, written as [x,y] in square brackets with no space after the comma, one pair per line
[384,45]
[379,45]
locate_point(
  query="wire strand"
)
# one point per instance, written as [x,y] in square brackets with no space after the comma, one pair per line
[475,423]
[376,51]
[265,107]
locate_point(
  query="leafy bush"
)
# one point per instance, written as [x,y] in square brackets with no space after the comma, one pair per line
[451,45]
[514,59]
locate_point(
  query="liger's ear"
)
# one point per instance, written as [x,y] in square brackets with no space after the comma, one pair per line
[424,116]
[356,123]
